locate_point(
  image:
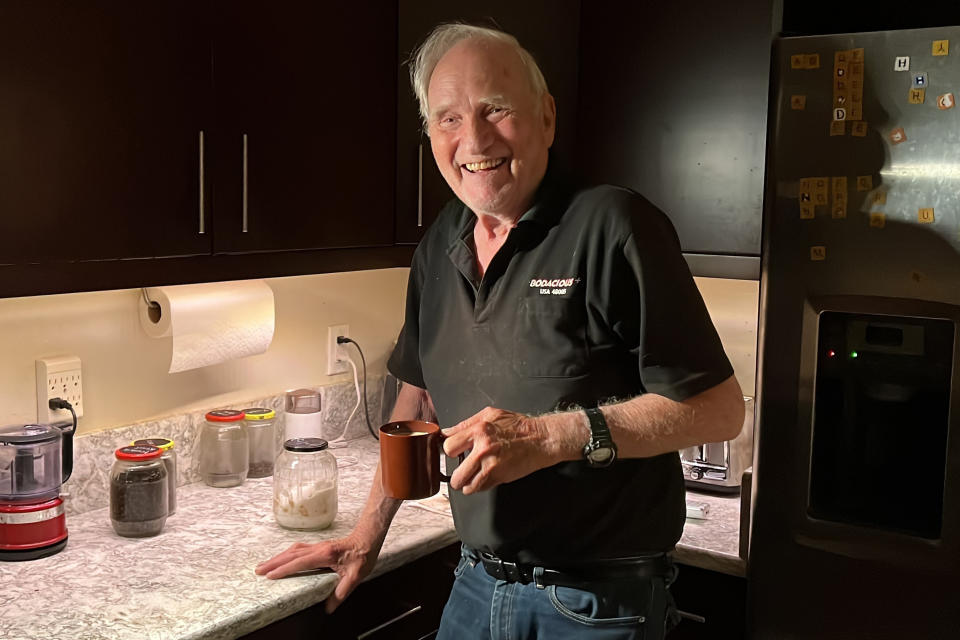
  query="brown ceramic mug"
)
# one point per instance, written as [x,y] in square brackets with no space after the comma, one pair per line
[410,452]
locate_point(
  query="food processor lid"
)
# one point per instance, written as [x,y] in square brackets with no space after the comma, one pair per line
[28,434]
[305,444]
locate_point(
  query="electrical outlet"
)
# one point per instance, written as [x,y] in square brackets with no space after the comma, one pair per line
[336,355]
[58,378]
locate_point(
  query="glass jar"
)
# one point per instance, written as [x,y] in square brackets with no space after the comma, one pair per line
[261,431]
[224,449]
[305,485]
[138,491]
[169,457]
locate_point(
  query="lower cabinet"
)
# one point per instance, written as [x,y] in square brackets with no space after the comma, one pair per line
[403,604]
[713,605]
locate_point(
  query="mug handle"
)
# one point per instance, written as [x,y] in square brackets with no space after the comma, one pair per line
[444,477]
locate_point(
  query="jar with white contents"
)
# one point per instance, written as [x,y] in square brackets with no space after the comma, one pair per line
[305,485]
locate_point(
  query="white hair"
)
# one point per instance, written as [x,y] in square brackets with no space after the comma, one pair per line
[424,60]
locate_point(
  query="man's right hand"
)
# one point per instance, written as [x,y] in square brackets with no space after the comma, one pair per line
[349,558]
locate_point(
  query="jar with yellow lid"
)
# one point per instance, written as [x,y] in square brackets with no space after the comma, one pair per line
[169,458]
[261,431]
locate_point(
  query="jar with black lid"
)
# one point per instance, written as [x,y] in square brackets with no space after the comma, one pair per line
[139,500]
[169,457]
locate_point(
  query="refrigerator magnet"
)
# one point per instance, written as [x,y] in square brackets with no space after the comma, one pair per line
[945,101]
[798,103]
[925,216]
[941,47]
[919,80]
[859,128]
[818,253]
[878,220]
[864,183]
[837,127]
[898,135]
[917,95]
[901,63]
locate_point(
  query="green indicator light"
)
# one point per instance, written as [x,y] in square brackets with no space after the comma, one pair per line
[853,354]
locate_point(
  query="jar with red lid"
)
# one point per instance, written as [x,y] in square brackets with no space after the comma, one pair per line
[224,449]
[139,499]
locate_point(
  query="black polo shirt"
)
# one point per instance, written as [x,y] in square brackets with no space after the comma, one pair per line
[589,300]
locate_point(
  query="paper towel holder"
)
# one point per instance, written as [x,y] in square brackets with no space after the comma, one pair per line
[154,312]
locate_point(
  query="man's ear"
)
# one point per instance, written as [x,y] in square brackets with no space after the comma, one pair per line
[549,110]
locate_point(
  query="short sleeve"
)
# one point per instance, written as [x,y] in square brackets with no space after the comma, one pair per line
[404,362]
[662,315]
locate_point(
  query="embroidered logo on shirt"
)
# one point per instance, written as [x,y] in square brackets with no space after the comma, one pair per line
[555,286]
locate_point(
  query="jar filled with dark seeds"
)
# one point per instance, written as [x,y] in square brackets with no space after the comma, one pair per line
[139,493]
[261,432]
[169,457]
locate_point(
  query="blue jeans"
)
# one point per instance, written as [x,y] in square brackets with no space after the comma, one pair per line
[483,608]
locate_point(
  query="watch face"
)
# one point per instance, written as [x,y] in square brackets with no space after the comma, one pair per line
[600,455]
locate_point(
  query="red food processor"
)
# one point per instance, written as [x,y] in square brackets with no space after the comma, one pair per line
[35,460]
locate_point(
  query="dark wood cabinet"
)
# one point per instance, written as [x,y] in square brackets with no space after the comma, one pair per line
[305,124]
[102,109]
[713,605]
[674,105]
[173,142]
[547,29]
[403,604]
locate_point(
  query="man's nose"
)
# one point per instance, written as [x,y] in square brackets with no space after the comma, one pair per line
[478,135]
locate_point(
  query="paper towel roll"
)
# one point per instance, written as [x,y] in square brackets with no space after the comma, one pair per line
[211,322]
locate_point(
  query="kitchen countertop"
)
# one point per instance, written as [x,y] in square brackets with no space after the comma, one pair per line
[196,579]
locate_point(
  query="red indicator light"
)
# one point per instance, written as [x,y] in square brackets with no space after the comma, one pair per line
[831,353]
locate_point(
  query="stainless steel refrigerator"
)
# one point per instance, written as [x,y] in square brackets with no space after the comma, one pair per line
[856,524]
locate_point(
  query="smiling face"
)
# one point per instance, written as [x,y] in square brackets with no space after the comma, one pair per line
[488,130]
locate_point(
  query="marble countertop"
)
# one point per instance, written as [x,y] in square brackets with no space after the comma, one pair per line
[196,579]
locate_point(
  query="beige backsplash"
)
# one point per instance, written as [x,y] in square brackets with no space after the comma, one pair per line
[124,371]
[734,308]
[125,377]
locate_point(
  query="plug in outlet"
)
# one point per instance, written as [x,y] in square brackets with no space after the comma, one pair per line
[336,355]
[58,378]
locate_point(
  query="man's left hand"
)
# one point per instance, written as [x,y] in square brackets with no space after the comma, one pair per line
[504,446]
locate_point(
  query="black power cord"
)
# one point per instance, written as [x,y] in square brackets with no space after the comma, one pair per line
[60,403]
[366,411]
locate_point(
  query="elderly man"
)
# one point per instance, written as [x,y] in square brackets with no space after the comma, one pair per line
[557,334]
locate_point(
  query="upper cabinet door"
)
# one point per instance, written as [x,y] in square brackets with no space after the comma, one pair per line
[674,106]
[548,29]
[306,135]
[102,105]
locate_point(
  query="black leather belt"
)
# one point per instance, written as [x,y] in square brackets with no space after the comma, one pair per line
[598,571]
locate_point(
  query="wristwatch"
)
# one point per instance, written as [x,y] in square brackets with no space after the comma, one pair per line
[601,451]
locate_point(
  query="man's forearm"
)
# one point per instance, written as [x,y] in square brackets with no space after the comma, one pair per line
[650,424]
[412,403]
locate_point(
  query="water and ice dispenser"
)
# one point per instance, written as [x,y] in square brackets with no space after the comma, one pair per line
[881,415]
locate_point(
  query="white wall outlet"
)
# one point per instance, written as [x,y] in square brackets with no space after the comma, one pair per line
[58,378]
[337,359]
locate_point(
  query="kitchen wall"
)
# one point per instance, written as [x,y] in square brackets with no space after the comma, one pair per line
[125,377]
[734,309]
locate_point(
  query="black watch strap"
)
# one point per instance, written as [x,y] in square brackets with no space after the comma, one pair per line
[601,450]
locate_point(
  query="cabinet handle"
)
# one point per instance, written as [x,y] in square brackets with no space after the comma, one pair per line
[244,227]
[420,186]
[389,622]
[202,230]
